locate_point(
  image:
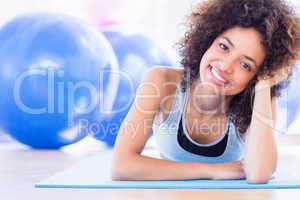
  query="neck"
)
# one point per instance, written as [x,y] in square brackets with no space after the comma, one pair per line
[204,100]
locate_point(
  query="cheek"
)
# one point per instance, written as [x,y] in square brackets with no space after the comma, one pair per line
[241,84]
[203,63]
[206,58]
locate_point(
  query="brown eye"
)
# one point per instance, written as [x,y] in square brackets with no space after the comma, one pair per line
[246,66]
[223,46]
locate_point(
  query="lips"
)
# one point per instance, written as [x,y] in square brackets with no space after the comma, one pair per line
[217,77]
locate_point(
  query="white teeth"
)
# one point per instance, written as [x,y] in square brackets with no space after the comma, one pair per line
[215,73]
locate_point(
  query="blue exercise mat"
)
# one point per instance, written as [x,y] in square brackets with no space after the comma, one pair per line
[94,172]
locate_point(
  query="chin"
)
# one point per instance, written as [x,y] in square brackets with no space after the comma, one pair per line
[233,92]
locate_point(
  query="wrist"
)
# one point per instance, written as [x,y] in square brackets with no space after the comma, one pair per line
[262,85]
[206,170]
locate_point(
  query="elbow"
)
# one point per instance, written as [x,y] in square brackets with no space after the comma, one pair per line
[119,173]
[259,172]
[123,175]
[262,179]
[122,169]
[117,177]
[259,177]
[115,173]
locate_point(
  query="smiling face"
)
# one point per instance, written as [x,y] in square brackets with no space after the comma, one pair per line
[232,60]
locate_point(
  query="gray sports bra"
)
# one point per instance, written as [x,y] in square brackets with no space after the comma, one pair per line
[175,143]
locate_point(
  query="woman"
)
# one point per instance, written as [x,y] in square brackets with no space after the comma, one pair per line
[214,118]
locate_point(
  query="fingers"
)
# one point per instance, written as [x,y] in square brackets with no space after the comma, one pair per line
[232,170]
[282,74]
[238,170]
[279,75]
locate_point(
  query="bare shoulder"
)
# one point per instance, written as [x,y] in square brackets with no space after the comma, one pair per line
[165,78]
[166,72]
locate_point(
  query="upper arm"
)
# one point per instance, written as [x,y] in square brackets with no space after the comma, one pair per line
[134,131]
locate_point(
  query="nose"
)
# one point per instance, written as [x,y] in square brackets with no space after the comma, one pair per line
[227,66]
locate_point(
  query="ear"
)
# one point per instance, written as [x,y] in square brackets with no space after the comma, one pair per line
[253,81]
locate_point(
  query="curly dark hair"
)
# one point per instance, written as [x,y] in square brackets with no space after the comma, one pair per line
[278,25]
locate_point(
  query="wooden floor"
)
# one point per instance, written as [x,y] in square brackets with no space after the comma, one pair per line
[21,168]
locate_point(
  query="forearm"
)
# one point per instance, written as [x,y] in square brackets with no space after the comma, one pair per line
[140,167]
[260,151]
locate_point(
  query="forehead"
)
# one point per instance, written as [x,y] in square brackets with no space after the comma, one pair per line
[244,34]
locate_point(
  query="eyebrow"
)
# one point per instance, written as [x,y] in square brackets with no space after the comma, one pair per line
[231,44]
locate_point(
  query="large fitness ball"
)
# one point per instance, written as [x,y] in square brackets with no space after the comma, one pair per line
[105,13]
[136,53]
[288,103]
[53,78]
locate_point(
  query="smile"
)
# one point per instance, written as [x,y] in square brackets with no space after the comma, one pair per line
[217,77]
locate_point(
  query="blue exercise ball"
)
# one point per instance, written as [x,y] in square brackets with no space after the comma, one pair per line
[289,100]
[136,53]
[53,81]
